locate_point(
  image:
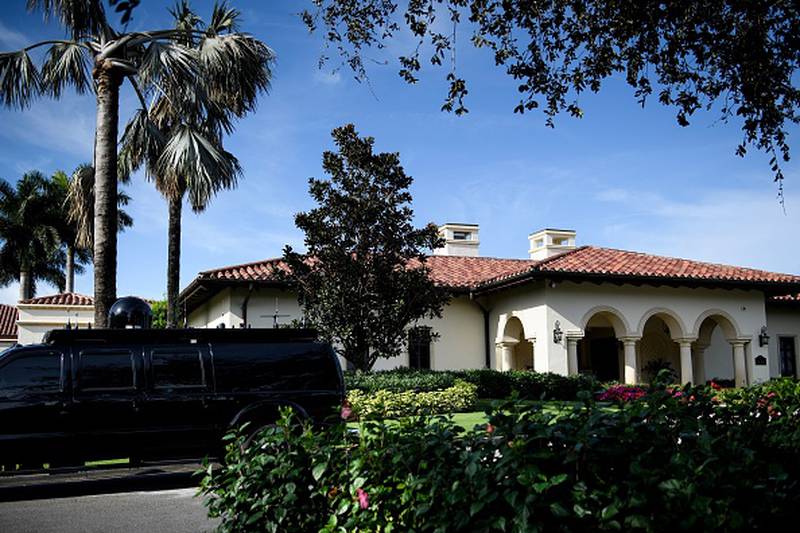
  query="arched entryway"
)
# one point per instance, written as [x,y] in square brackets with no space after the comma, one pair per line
[600,351]
[719,352]
[516,350]
[659,348]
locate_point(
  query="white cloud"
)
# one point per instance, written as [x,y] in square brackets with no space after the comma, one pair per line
[740,227]
[10,294]
[61,126]
[12,38]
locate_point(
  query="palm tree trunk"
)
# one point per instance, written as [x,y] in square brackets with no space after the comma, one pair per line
[105,191]
[70,269]
[24,285]
[174,260]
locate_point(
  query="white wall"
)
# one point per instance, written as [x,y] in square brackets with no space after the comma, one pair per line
[36,320]
[782,321]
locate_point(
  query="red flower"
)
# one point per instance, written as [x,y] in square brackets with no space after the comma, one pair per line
[346,411]
[715,386]
[363,498]
[489,428]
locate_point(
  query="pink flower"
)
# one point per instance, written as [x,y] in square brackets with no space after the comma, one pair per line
[346,412]
[715,385]
[363,498]
[489,428]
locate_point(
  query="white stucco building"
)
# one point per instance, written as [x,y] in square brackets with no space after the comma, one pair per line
[39,315]
[566,309]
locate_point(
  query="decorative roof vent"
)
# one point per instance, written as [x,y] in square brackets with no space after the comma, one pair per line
[549,242]
[460,239]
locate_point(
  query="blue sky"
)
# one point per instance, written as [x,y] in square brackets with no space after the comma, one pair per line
[622,176]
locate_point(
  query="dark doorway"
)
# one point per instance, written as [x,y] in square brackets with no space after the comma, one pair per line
[787,356]
[604,354]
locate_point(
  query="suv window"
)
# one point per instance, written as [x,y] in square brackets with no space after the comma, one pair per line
[33,372]
[177,368]
[105,370]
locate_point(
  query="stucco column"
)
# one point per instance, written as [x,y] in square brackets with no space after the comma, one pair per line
[687,373]
[532,340]
[631,367]
[699,363]
[572,354]
[739,363]
[506,355]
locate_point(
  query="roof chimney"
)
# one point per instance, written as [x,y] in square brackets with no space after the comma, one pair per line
[549,242]
[459,239]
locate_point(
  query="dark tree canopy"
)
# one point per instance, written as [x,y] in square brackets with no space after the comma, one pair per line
[736,58]
[363,279]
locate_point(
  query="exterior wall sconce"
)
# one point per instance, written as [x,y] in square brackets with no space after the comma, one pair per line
[557,333]
[763,338]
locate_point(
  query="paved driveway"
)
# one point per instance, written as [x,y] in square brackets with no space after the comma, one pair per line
[164,510]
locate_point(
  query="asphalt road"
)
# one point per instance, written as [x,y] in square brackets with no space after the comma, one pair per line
[155,511]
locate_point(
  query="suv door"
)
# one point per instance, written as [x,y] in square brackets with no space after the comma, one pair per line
[106,400]
[33,411]
[176,400]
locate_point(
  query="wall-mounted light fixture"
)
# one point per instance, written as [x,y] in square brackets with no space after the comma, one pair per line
[557,333]
[763,338]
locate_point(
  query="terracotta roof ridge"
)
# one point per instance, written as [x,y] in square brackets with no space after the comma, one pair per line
[480,257]
[559,255]
[241,265]
[674,258]
[57,295]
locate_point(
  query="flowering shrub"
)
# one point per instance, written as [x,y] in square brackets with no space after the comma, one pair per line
[658,463]
[388,404]
[621,393]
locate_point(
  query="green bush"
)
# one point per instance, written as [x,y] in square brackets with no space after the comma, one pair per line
[389,404]
[490,383]
[665,462]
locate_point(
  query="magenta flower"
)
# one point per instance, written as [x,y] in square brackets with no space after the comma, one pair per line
[346,412]
[363,498]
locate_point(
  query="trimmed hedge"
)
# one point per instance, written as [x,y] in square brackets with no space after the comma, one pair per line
[490,383]
[389,404]
[664,462]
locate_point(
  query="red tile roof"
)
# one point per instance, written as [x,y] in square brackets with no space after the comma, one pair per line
[8,322]
[475,272]
[609,262]
[786,298]
[65,298]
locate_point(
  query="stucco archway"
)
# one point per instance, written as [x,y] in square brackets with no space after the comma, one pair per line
[600,351]
[720,348]
[516,349]
[658,349]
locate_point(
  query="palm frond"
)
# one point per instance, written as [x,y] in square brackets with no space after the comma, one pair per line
[236,67]
[142,144]
[195,163]
[66,64]
[170,61]
[80,17]
[80,202]
[223,18]
[20,82]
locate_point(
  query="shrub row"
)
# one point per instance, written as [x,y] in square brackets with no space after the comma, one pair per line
[662,462]
[490,383]
[460,397]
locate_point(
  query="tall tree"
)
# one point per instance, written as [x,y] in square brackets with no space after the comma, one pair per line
[738,58]
[96,56]
[363,279]
[73,212]
[30,249]
[176,115]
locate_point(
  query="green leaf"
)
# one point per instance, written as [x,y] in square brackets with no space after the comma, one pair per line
[318,470]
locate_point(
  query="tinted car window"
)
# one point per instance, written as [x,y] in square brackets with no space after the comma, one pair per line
[31,373]
[105,370]
[274,366]
[174,368]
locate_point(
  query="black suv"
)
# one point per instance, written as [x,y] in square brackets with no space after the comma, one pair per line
[147,394]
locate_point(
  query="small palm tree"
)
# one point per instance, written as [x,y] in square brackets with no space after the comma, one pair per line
[73,212]
[158,137]
[96,56]
[30,249]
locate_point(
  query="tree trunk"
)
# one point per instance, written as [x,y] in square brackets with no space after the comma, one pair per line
[24,285]
[174,261]
[105,192]
[70,269]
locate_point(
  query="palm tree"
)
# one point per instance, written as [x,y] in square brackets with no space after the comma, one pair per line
[73,211]
[178,118]
[31,248]
[96,56]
